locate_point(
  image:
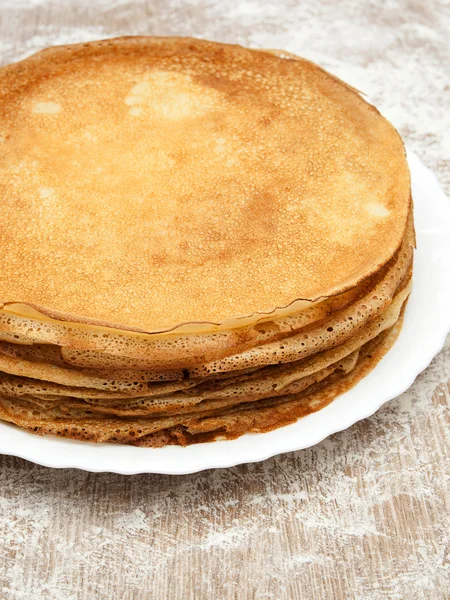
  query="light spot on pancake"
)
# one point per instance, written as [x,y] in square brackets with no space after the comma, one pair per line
[46,108]
[135,111]
[377,210]
[172,96]
[46,192]
[87,135]
[220,147]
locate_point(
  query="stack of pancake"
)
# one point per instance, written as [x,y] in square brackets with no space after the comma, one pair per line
[198,240]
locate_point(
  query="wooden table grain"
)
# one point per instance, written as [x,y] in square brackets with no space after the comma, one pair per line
[365,514]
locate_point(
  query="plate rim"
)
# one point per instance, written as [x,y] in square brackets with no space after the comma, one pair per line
[179,461]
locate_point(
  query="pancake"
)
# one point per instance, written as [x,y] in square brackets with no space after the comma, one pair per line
[198,240]
[169,130]
[169,407]
[167,349]
[53,381]
[270,383]
[132,355]
[267,414]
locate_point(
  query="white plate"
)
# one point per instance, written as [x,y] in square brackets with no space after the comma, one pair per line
[427,321]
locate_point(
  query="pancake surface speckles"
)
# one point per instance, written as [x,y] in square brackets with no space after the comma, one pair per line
[150,182]
[198,240]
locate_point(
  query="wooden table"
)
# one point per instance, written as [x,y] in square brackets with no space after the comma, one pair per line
[363,515]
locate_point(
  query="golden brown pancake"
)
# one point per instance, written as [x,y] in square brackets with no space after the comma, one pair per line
[198,240]
[191,428]
[79,345]
[149,182]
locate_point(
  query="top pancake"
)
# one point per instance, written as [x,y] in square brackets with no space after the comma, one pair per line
[150,182]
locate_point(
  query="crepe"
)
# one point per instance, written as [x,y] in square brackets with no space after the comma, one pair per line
[198,240]
[161,129]
[183,428]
